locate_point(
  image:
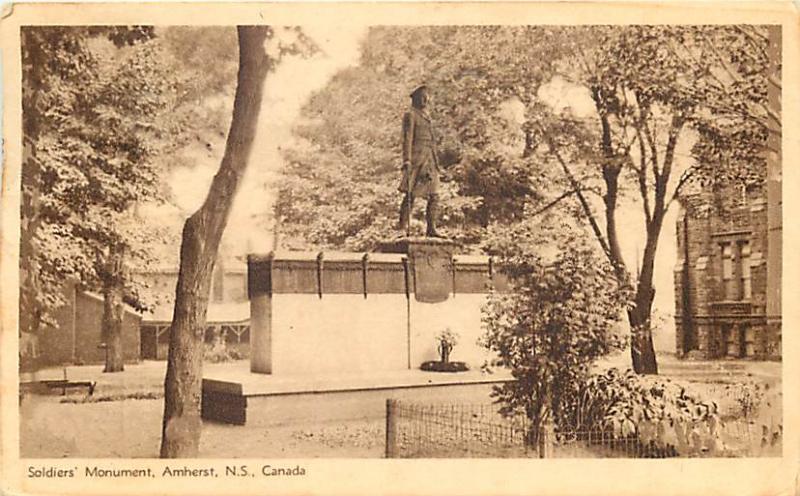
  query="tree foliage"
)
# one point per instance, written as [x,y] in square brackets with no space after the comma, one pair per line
[737,118]
[516,153]
[109,112]
[562,314]
[340,183]
[94,113]
[202,61]
[92,101]
[646,95]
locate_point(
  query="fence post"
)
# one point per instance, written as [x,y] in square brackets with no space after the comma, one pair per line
[545,439]
[391,428]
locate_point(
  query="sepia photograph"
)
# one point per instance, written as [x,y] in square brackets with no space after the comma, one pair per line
[395,241]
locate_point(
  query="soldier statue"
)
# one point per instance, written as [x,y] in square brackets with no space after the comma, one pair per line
[420,162]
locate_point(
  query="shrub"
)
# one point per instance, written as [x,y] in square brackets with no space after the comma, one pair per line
[617,401]
[748,397]
[560,317]
[218,352]
[658,414]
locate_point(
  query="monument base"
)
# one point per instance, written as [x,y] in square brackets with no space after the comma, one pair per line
[431,265]
[228,392]
[409,244]
[396,305]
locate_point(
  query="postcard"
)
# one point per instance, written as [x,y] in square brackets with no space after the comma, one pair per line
[399,248]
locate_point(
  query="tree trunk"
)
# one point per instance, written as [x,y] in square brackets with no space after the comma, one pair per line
[643,355]
[611,176]
[113,311]
[30,308]
[201,237]
[112,326]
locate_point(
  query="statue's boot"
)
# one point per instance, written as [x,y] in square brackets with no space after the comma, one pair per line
[405,212]
[432,216]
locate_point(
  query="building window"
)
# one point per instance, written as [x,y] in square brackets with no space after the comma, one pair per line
[736,279]
[725,337]
[727,272]
[749,341]
[744,249]
[218,285]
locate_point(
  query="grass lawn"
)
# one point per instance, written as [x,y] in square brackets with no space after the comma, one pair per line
[111,424]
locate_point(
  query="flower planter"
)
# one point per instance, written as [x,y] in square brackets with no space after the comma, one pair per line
[440,366]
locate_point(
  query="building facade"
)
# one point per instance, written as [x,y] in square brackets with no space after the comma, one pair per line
[727,279]
[78,335]
[729,272]
[227,316]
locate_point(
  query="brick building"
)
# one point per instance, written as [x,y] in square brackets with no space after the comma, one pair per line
[727,279]
[728,275]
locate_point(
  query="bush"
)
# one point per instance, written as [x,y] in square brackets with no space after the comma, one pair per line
[619,401]
[219,352]
[657,414]
[748,396]
[562,315]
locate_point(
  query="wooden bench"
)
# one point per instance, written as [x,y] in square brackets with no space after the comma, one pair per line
[65,384]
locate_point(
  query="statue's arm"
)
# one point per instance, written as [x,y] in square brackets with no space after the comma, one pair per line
[408,137]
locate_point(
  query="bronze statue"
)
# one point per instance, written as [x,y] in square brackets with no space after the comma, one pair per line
[420,162]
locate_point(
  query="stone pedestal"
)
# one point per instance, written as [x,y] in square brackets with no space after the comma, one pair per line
[430,264]
[408,245]
[339,312]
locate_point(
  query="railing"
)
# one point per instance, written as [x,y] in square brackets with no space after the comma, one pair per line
[415,430]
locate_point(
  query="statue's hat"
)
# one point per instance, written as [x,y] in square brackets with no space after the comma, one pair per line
[419,88]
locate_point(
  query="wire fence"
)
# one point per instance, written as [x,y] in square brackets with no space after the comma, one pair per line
[416,430]
[456,430]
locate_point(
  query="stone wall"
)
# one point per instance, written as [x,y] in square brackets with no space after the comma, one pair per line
[358,312]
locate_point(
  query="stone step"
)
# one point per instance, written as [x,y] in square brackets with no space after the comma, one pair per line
[703,366]
[699,370]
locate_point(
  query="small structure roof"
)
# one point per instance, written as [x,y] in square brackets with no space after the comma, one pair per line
[218,313]
[99,298]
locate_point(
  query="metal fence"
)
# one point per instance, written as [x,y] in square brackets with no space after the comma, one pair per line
[416,430]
